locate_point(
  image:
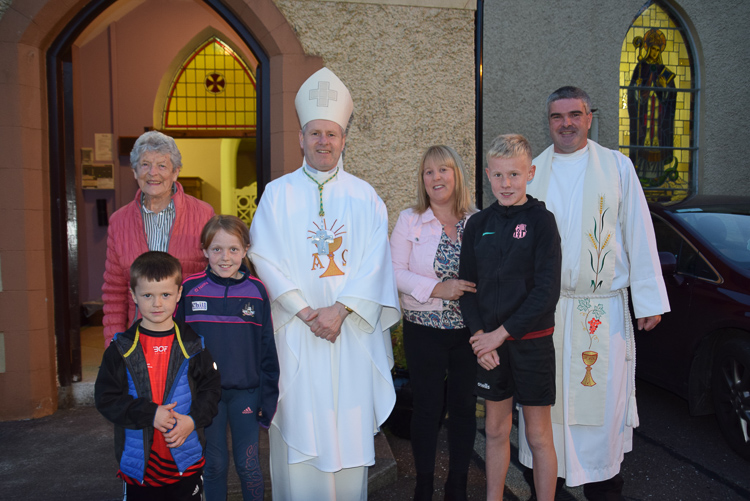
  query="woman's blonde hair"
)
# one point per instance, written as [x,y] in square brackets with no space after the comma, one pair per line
[445,155]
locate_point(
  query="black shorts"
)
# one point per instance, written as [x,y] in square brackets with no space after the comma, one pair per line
[526,371]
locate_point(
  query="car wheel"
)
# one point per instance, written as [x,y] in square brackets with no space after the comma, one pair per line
[730,384]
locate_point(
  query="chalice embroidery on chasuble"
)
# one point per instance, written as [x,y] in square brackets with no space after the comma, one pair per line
[328,241]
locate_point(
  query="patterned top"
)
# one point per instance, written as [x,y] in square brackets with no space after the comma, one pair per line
[446,267]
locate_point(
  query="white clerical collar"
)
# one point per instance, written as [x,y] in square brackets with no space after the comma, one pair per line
[576,155]
[322,176]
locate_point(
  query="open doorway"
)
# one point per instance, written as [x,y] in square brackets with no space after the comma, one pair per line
[106,74]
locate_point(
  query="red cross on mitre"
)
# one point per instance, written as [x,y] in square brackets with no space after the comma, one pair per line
[215,83]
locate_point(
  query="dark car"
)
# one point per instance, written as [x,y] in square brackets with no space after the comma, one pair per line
[701,349]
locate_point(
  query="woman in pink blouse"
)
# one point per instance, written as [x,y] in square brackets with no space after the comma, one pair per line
[425,246]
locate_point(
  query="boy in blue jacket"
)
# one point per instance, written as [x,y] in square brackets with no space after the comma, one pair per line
[160,388]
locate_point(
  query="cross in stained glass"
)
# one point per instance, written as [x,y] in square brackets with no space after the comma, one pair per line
[215,83]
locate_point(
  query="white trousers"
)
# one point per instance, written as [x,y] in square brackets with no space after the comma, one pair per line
[303,482]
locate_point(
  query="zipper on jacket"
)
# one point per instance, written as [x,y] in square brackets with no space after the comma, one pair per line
[226,299]
[182,370]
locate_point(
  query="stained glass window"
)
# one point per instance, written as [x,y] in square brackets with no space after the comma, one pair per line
[213,90]
[657,101]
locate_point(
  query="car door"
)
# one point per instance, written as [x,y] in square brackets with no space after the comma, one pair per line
[664,354]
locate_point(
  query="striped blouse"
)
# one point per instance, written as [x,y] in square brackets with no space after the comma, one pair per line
[158,226]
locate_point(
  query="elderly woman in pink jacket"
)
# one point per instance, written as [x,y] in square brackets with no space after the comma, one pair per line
[161,217]
[425,247]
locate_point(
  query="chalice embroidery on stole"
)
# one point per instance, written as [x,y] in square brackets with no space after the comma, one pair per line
[590,323]
[327,241]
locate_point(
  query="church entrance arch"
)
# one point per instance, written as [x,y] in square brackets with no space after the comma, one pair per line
[280,49]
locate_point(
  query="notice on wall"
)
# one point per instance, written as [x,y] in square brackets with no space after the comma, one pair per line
[97,177]
[87,156]
[103,147]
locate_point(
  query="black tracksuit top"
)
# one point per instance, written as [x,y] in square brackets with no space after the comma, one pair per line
[513,254]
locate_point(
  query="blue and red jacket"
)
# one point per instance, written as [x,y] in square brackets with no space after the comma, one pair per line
[123,395]
[234,318]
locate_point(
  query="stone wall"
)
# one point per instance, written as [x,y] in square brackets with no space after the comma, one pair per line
[531,49]
[411,74]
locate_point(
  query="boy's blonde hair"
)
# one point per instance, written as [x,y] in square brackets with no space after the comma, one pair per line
[445,155]
[509,146]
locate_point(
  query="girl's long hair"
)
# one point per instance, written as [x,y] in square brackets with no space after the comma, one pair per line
[233,226]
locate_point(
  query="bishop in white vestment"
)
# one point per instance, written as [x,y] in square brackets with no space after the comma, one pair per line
[319,242]
[608,245]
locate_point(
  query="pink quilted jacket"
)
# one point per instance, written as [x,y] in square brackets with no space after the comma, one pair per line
[126,240]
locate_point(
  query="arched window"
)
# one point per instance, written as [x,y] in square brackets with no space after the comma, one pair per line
[658,99]
[213,90]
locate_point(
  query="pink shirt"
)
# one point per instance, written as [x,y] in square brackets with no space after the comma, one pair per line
[414,243]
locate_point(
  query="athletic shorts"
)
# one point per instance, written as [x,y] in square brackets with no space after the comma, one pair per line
[526,371]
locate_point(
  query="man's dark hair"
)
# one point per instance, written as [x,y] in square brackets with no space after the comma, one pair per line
[155,266]
[569,92]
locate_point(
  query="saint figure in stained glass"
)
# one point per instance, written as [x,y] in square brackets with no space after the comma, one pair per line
[651,106]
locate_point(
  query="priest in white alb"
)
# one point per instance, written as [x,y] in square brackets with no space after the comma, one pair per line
[608,245]
[319,242]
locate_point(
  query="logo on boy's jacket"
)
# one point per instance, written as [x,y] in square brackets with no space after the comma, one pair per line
[200,305]
[248,311]
[484,385]
[520,231]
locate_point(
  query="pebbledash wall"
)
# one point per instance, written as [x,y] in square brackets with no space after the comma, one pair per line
[409,67]
[410,70]
[531,49]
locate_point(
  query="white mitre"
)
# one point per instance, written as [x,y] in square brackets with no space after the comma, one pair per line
[324,96]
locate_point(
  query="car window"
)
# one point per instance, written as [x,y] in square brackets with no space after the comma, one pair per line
[727,233]
[689,261]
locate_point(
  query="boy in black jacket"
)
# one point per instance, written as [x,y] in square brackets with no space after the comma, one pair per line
[511,250]
[160,388]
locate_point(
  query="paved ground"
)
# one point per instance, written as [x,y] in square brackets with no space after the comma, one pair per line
[69,456]
[516,487]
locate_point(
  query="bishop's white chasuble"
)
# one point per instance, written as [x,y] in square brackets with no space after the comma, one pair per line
[332,396]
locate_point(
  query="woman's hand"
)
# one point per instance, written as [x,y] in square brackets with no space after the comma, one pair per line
[453,289]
